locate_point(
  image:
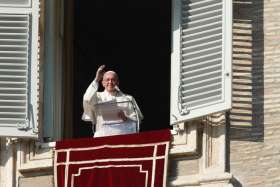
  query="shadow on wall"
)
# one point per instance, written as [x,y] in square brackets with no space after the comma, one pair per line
[235,182]
[247,115]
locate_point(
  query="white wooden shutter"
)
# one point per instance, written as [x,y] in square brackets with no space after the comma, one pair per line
[15,3]
[18,67]
[201,58]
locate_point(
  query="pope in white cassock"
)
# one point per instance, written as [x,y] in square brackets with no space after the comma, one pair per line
[111,112]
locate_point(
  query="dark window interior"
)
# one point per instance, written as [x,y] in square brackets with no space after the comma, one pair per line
[132,38]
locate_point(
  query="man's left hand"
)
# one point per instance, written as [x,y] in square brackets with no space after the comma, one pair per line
[122,116]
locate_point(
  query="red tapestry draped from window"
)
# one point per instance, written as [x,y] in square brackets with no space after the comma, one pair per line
[135,160]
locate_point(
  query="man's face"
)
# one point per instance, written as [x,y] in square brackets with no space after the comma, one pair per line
[110,81]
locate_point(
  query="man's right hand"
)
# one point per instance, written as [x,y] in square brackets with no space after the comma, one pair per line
[99,73]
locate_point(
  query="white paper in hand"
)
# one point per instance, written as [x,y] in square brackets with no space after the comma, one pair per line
[109,111]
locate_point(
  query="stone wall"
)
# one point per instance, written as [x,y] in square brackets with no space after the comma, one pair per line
[40,181]
[254,134]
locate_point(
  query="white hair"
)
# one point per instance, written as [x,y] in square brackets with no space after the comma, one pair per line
[111,72]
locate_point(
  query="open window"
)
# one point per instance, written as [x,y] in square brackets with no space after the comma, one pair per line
[132,39]
[135,41]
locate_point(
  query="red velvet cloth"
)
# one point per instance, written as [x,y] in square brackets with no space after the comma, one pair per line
[134,160]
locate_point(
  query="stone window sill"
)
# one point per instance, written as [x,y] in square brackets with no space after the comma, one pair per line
[184,143]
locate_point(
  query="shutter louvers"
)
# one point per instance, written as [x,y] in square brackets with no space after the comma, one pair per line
[203,58]
[201,49]
[16,3]
[18,61]
[13,68]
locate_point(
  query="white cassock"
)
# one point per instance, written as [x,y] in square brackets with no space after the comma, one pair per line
[92,99]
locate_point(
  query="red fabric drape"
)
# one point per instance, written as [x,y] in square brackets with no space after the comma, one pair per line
[134,160]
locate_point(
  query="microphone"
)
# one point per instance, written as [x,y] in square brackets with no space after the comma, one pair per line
[117,88]
[134,109]
[136,113]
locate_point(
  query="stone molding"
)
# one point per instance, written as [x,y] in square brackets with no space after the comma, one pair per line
[184,139]
[205,180]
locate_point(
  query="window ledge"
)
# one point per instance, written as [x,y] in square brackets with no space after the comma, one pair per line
[221,179]
[39,165]
[184,140]
[183,150]
[46,145]
[184,143]
[41,158]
